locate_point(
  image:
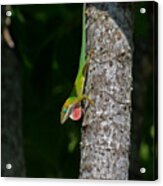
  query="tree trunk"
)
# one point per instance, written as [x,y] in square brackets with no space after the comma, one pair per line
[105,139]
[11,129]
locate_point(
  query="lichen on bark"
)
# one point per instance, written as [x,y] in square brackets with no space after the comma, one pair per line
[106,127]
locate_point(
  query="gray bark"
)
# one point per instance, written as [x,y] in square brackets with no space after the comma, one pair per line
[105,138]
[11,128]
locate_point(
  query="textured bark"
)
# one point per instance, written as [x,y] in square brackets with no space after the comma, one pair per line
[11,130]
[105,139]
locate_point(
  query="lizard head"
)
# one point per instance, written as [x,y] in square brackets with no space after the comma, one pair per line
[71,109]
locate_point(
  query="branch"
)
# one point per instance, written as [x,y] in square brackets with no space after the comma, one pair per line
[106,127]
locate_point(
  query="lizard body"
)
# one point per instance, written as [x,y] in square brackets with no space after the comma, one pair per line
[72,107]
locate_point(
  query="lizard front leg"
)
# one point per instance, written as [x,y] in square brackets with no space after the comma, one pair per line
[82,97]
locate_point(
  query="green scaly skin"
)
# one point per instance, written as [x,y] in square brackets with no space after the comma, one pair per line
[77,93]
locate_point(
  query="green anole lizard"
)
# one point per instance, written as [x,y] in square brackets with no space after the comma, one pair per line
[72,107]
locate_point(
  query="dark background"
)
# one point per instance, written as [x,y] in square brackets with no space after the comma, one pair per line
[48,41]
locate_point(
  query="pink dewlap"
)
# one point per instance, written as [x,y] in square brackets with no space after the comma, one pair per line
[76,113]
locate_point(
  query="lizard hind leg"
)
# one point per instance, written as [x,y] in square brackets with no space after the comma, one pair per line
[88,58]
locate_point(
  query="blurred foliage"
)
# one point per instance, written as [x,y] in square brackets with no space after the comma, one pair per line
[48,41]
[144,44]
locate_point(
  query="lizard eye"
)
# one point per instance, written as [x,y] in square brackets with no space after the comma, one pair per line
[64,110]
